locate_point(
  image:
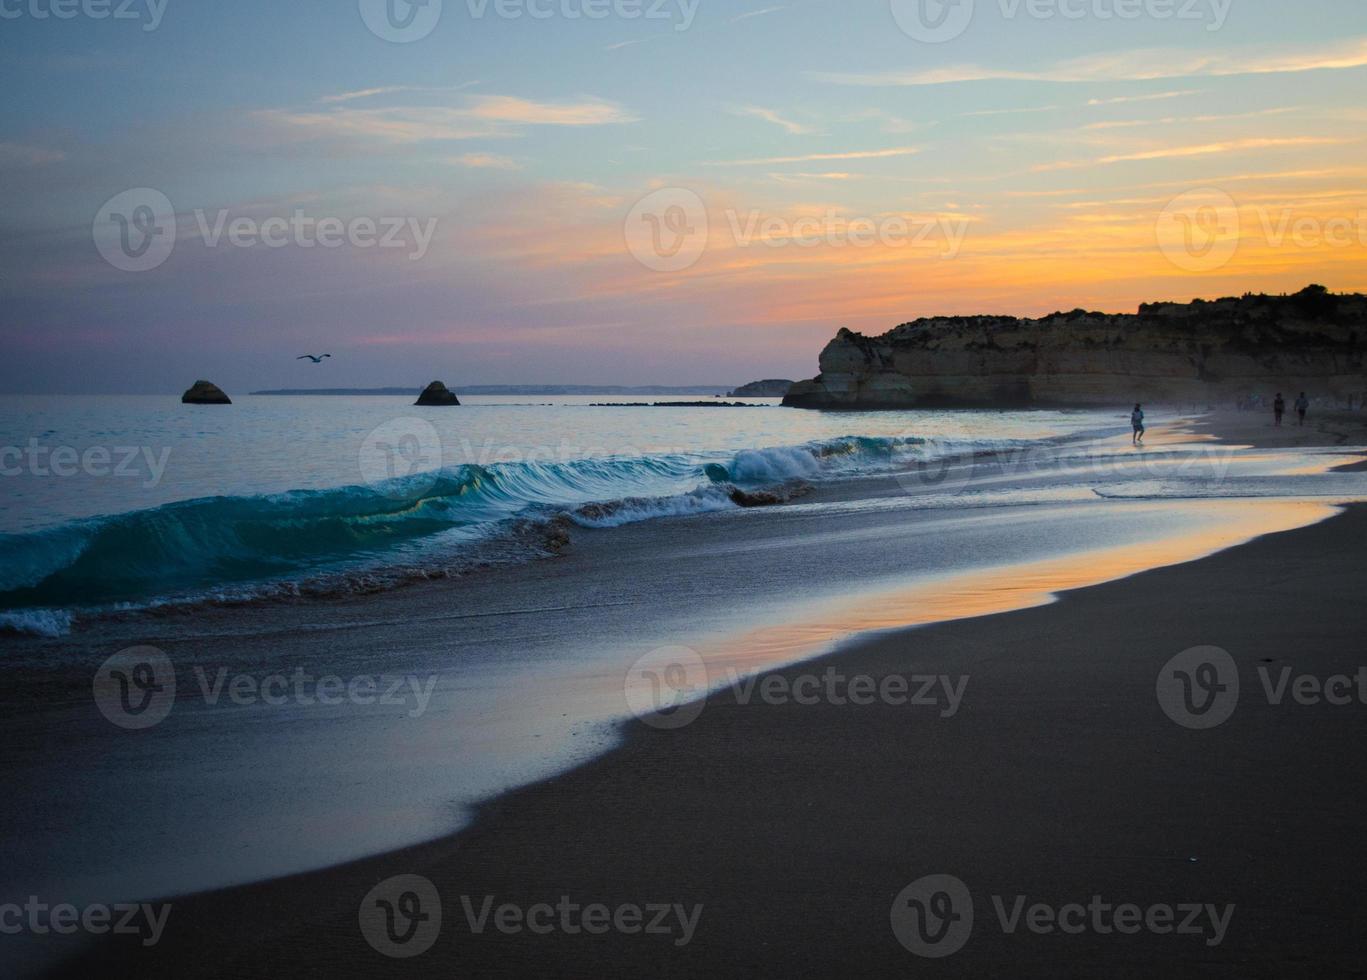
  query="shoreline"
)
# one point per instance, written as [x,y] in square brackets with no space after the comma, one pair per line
[495,511]
[656,816]
[707,813]
[1337,427]
[543,538]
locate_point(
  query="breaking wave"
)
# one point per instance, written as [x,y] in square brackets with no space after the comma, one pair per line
[196,547]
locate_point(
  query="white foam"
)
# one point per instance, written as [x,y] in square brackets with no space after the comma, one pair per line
[37,622]
[702,501]
[774,465]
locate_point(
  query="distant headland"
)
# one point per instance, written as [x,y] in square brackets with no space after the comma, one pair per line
[605,390]
[1208,352]
[769,388]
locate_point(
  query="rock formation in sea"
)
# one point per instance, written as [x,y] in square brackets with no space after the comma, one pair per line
[1202,352]
[769,388]
[437,394]
[205,393]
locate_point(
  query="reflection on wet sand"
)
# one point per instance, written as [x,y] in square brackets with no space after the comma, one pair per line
[1005,588]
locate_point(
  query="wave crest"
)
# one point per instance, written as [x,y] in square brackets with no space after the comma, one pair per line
[193,547]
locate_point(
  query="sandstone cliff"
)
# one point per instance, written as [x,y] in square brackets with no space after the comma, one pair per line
[1198,352]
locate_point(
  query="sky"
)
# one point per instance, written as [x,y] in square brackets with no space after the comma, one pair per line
[643,191]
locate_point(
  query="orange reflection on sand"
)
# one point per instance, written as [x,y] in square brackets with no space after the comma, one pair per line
[1004,589]
[1324,464]
[1180,433]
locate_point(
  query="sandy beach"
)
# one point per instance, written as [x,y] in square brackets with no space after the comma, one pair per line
[774,832]
[596,488]
[1335,427]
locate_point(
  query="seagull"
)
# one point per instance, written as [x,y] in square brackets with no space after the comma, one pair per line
[315,358]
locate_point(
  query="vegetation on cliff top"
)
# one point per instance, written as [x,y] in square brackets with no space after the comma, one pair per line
[1312,317]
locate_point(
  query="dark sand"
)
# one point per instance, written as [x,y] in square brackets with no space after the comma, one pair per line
[1322,428]
[796,825]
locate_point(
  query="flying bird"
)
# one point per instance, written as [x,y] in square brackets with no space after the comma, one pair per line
[315,358]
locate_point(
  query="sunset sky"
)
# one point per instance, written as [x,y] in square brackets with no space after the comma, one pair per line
[1023,165]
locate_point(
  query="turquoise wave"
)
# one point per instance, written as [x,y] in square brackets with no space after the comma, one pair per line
[193,546]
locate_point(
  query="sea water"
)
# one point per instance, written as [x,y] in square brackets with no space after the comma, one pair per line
[911,517]
[119,501]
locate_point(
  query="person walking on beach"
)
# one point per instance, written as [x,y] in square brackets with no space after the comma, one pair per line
[1302,406]
[1278,408]
[1137,423]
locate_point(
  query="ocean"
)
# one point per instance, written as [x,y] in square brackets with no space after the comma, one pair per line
[493,589]
[118,502]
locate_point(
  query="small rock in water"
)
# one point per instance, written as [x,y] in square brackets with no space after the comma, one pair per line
[205,393]
[768,498]
[437,394]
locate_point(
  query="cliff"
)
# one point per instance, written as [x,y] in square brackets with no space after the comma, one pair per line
[1197,352]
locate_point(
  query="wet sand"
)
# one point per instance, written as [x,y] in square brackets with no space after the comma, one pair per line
[795,825]
[1322,428]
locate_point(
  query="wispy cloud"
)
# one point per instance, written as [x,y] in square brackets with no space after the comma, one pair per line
[803,178]
[1153,97]
[1186,120]
[370,93]
[475,117]
[1129,66]
[1118,100]
[1201,150]
[510,109]
[770,116]
[1057,192]
[1355,173]
[756,13]
[619,45]
[14,155]
[1221,180]
[890,123]
[901,151]
[364,93]
[1010,112]
[486,161]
